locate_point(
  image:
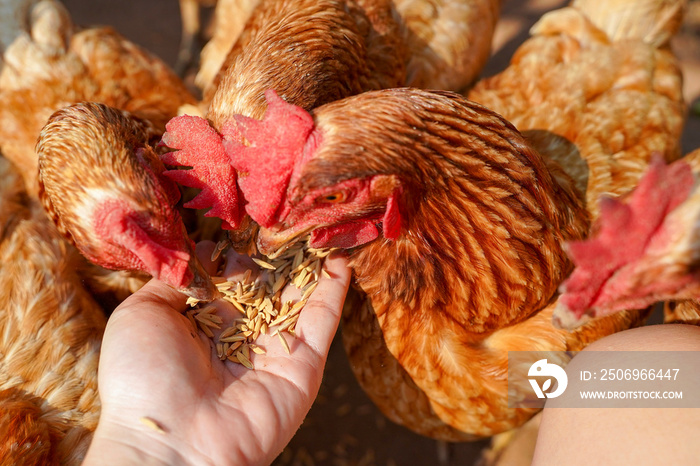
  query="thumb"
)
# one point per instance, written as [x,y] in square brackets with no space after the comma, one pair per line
[319,320]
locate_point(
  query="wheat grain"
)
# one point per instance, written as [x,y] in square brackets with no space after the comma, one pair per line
[260,304]
[152,424]
[284,342]
[263,264]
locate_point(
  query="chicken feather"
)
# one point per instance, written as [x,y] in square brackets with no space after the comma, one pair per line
[601,76]
[104,187]
[474,269]
[50,334]
[53,65]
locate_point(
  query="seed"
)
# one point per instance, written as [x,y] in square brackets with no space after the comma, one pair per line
[285,308]
[300,278]
[237,305]
[307,278]
[228,332]
[244,360]
[298,306]
[232,338]
[192,301]
[298,259]
[206,331]
[279,283]
[257,350]
[152,424]
[308,291]
[190,317]
[290,321]
[263,264]
[259,302]
[220,247]
[284,342]
[233,347]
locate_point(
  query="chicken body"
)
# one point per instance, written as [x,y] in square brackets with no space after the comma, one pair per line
[447,41]
[455,229]
[337,48]
[53,65]
[598,89]
[51,332]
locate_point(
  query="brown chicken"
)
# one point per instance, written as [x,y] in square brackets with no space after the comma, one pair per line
[446,42]
[52,65]
[455,223]
[50,334]
[603,126]
[645,249]
[598,89]
[102,184]
[455,229]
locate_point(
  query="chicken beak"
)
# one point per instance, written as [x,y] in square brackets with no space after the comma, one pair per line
[201,287]
[274,241]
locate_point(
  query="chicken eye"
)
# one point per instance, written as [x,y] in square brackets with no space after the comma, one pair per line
[333,198]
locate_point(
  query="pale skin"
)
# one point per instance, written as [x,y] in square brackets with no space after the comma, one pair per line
[154,366]
[623,436]
[214,412]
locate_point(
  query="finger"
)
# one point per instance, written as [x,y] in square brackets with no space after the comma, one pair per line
[238,264]
[155,293]
[321,314]
[204,250]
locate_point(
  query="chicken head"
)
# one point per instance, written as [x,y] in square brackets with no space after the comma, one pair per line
[102,183]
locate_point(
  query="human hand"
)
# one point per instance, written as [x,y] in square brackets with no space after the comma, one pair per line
[207,411]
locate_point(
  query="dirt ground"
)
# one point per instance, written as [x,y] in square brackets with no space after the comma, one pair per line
[344,428]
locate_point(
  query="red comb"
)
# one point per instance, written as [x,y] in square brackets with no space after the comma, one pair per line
[624,231]
[201,147]
[265,164]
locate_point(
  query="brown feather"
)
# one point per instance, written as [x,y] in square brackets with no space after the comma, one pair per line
[334,48]
[51,332]
[601,76]
[475,271]
[57,65]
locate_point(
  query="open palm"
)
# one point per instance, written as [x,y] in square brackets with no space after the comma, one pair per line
[168,398]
